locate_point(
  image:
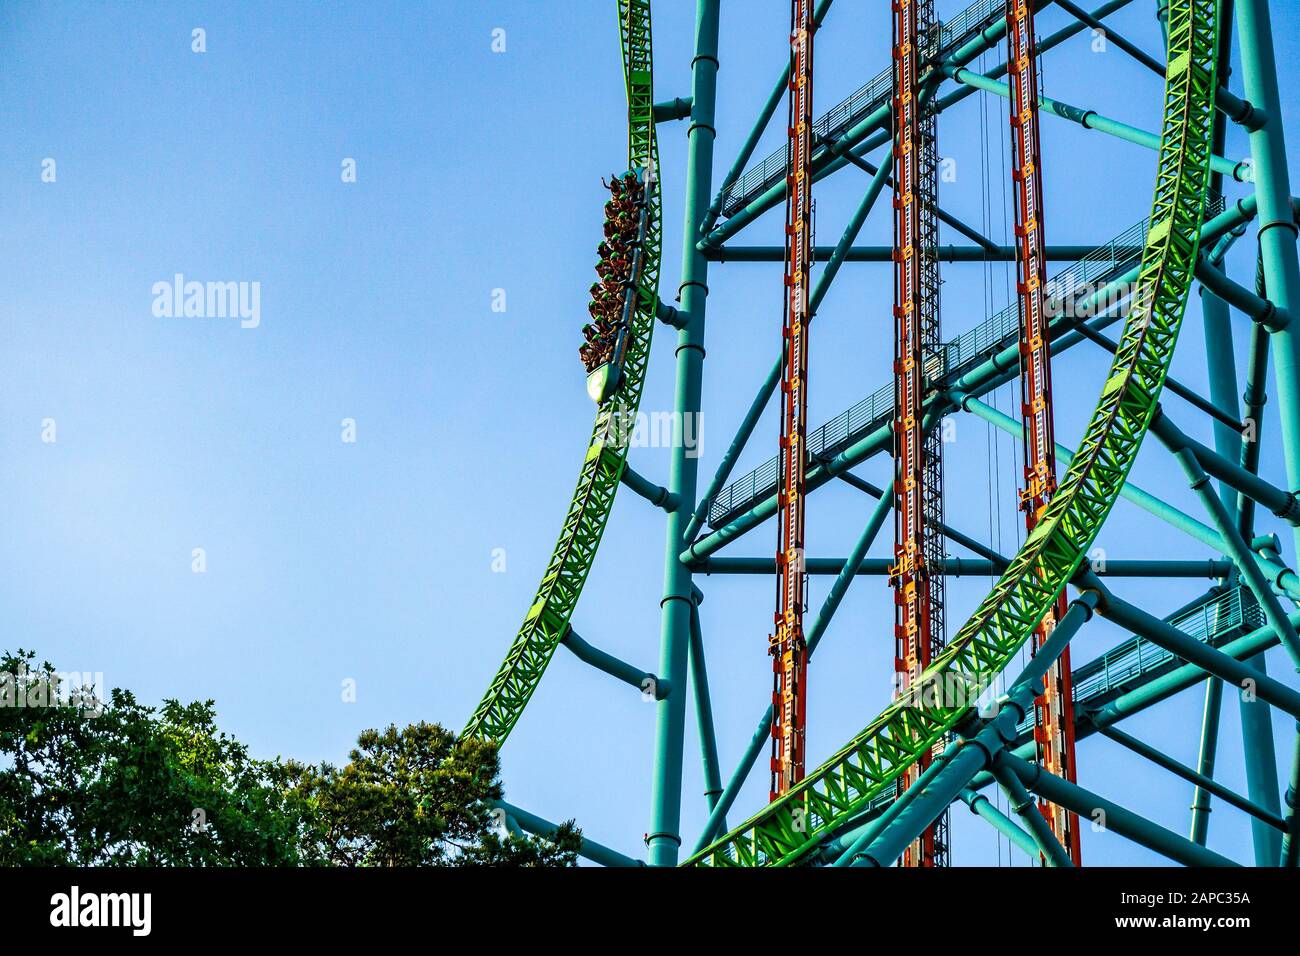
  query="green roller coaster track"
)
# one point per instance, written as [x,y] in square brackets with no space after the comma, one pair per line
[602,467]
[787,831]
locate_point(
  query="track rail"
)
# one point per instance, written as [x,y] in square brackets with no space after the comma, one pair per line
[789,830]
[606,455]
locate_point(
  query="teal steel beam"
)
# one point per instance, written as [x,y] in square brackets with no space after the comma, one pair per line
[1144,499]
[1205,759]
[1091,119]
[1256,725]
[1118,819]
[1233,106]
[971,567]
[1290,850]
[876,843]
[671,316]
[1258,747]
[1255,307]
[1026,808]
[839,587]
[882,840]
[1277,227]
[947,253]
[1281,577]
[1028,682]
[717,818]
[949,532]
[1193,398]
[1241,478]
[1078,613]
[737,445]
[1209,659]
[1113,36]
[664,839]
[746,150]
[1220,367]
[844,577]
[756,132]
[704,712]
[1202,782]
[675,109]
[657,495]
[922,790]
[850,233]
[982,807]
[981,240]
[1158,690]
[589,849]
[512,825]
[1245,559]
[642,680]
[1221,372]
[1254,398]
[1180,679]
[1259,755]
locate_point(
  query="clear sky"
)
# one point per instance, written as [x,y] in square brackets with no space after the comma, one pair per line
[329,561]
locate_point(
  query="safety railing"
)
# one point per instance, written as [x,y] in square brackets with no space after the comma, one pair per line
[851,110]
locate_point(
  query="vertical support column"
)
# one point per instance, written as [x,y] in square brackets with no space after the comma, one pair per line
[1281,268]
[704,712]
[1222,373]
[1205,759]
[1277,229]
[664,838]
[1223,384]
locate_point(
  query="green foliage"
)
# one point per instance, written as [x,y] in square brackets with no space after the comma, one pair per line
[115,783]
[416,797]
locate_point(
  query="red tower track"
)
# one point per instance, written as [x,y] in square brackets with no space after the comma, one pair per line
[1054,717]
[916,576]
[787,646]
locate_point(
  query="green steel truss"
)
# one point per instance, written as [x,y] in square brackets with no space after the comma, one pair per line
[789,830]
[606,456]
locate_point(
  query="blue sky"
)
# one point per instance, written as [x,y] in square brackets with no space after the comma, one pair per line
[371,561]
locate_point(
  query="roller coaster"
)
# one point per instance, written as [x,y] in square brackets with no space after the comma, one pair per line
[971,713]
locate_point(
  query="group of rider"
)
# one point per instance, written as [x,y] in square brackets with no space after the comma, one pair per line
[622,222]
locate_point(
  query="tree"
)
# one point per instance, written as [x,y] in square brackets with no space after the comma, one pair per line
[87,781]
[417,797]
